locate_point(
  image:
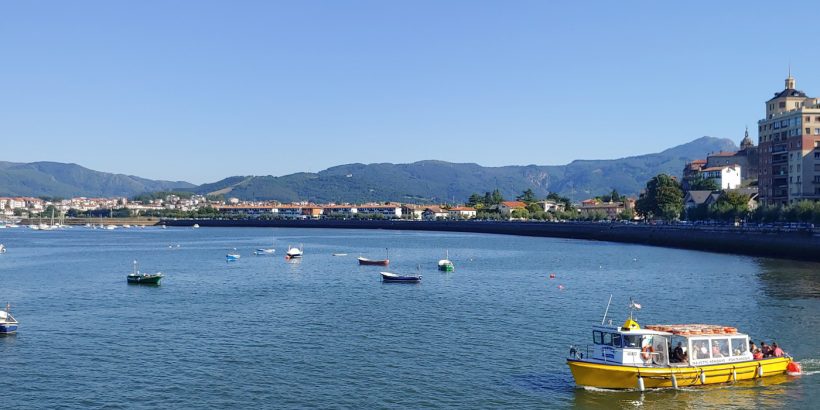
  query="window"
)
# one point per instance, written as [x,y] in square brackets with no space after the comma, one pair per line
[720,348]
[808,119]
[700,348]
[608,339]
[632,341]
[616,340]
[808,131]
[597,337]
[781,104]
[817,118]
[817,131]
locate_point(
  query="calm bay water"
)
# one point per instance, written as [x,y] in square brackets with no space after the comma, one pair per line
[324,332]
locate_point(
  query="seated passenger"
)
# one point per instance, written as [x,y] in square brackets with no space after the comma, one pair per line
[716,350]
[765,349]
[776,350]
[703,351]
[752,346]
[677,355]
[757,355]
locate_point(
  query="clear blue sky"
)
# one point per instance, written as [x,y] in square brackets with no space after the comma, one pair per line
[201,90]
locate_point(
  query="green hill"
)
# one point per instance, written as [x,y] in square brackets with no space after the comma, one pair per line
[439,181]
[69,180]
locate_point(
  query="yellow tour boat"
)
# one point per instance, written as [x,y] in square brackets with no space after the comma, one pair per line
[669,356]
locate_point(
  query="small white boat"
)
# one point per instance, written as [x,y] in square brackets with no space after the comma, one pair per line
[2,248]
[232,257]
[8,324]
[111,227]
[294,252]
[339,254]
[264,251]
[195,226]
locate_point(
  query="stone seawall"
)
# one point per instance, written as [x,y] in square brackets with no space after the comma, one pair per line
[775,243]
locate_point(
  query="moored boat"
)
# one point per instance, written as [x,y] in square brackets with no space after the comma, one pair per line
[395,277]
[294,252]
[663,356]
[375,262]
[137,277]
[232,257]
[2,248]
[8,324]
[446,265]
[264,251]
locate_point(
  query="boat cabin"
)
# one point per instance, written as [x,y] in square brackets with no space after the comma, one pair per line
[654,345]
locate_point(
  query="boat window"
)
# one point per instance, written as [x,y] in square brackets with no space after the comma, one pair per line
[632,341]
[700,349]
[596,337]
[720,348]
[739,346]
[616,340]
[608,339]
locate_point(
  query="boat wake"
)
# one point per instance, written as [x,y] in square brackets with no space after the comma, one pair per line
[809,366]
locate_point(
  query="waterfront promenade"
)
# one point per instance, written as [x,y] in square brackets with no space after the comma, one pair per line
[775,242]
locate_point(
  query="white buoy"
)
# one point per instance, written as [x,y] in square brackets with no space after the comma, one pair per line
[674,382]
[702,377]
[759,370]
[641,386]
[734,375]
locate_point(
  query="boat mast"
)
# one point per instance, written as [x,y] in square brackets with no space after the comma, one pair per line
[135,267]
[607,309]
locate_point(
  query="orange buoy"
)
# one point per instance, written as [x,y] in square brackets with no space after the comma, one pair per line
[552,276]
[794,368]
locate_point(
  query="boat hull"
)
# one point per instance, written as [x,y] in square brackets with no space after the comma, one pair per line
[154,280]
[371,262]
[446,268]
[7,328]
[610,376]
[393,278]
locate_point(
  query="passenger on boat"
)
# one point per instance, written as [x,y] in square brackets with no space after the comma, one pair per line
[716,350]
[757,355]
[752,346]
[701,351]
[678,356]
[776,350]
[765,349]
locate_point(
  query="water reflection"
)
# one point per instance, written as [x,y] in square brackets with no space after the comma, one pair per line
[763,393]
[784,279]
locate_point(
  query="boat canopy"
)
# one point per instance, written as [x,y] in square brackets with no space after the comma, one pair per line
[694,329]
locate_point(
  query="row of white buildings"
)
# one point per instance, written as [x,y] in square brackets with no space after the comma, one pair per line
[9,206]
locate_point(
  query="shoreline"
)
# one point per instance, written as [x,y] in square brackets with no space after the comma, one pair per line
[796,244]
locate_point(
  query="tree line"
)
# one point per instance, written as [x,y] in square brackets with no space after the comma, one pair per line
[663,199]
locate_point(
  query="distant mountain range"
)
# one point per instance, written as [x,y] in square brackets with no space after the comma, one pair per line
[55,179]
[422,182]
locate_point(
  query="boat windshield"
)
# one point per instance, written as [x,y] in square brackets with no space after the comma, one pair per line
[632,341]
